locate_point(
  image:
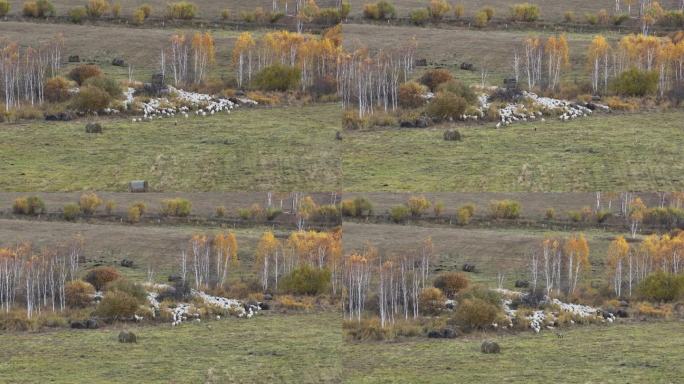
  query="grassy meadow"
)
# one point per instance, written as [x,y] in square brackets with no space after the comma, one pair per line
[268,348]
[635,352]
[292,148]
[639,152]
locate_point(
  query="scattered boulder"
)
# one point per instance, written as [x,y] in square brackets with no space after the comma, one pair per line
[468,267]
[93,128]
[74,59]
[452,135]
[59,116]
[264,306]
[444,333]
[127,337]
[268,296]
[510,83]
[118,62]
[423,122]
[407,123]
[175,278]
[621,313]
[489,346]
[467,66]
[84,324]
[127,263]
[421,63]
[338,135]
[522,284]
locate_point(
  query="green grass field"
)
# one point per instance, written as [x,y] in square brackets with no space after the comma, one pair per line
[269,348]
[616,152]
[636,353]
[284,149]
[309,348]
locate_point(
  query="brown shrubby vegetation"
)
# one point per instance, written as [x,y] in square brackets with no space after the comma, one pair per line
[101,276]
[451,283]
[79,294]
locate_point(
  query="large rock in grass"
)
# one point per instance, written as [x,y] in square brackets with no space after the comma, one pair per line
[452,135]
[93,128]
[127,337]
[489,346]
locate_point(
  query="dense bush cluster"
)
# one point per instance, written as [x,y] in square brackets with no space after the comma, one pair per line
[38,8]
[505,209]
[278,77]
[661,286]
[635,82]
[181,10]
[101,276]
[176,207]
[525,12]
[31,205]
[382,10]
[451,283]
[306,280]
[5,7]
[357,207]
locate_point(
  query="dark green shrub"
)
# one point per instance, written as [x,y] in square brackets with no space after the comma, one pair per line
[71,211]
[482,293]
[661,286]
[105,83]
[136,290]
[634,82]
[277,77]
[117,305]
[419,16]
[460,89]
[476,313]
[446,105]
[90,99]
[399,213]
[602,216]
[619,19]
[306,280]
[272,213]
[5,7]
[362,207]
